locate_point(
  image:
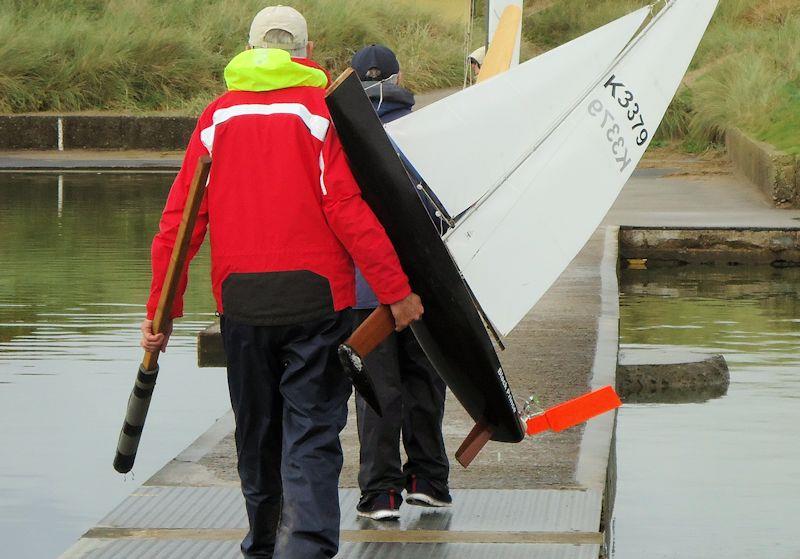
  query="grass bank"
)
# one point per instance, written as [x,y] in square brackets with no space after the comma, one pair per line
[746,72]
[151,55]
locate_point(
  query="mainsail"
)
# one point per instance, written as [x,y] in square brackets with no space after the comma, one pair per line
[516,242]
[489,127]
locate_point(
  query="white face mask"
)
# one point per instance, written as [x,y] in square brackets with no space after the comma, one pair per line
[391,80]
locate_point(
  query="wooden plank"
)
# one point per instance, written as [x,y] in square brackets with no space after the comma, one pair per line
[358,536]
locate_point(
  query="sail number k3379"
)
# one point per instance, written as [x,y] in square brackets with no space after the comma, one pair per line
[626,99]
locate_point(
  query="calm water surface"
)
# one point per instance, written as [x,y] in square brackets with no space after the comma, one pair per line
[721,478]
[74,276]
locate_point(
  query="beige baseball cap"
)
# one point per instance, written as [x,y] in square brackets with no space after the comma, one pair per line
[279,17]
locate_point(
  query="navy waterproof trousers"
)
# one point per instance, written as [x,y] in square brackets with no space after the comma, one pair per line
[412,396]
[289,397]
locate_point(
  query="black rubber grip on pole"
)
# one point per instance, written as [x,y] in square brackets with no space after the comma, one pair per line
[353,366]
[131,433]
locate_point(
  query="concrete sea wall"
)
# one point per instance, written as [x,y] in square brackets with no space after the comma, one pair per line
[773,171]
[94,132]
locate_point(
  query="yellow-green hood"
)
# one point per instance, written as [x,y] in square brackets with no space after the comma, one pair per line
[270,69]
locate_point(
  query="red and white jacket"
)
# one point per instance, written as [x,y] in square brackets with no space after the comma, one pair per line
[285,214]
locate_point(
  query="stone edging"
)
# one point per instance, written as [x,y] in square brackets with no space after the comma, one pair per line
[596,468]
[773,171]
[117,132]
[710,245]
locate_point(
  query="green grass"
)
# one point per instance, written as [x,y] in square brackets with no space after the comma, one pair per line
[154,55]
[746,72]
[453,9]
[783,127]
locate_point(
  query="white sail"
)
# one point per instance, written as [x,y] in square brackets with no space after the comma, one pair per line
[463,144]
[496,8]
[516,243]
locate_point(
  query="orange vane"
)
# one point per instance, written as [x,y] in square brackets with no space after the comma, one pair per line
[575,411]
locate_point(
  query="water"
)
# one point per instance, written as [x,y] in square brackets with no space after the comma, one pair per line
[74,261]
[717,479]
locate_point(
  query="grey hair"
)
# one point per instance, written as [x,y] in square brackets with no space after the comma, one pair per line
[282,39]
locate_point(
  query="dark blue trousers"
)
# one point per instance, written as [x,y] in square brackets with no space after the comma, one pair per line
[412,396]
[289,397]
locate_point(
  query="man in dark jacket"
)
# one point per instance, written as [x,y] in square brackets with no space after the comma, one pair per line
[286,221]
[382,82]
[409,388]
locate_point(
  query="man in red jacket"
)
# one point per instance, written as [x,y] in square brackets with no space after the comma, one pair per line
[287,221]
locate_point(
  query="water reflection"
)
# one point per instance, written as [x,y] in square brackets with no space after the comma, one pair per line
[716,479]
[74,251]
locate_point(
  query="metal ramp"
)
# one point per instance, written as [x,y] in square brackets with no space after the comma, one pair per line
[208,522]
[229,549]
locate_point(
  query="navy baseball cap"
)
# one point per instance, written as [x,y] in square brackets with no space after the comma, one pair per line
[375,56]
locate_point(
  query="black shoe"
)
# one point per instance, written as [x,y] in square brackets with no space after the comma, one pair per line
[420,492]
[380,506]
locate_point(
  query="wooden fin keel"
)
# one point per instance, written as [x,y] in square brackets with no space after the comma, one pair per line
[474,443]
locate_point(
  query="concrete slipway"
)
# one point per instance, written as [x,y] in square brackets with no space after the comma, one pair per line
[548,497]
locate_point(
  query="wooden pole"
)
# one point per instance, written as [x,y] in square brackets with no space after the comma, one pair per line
[378,326]
[139,400]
